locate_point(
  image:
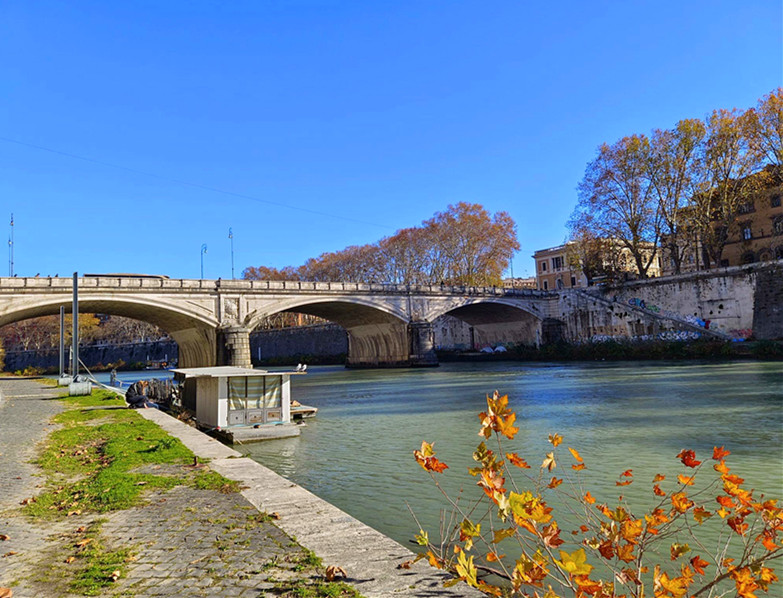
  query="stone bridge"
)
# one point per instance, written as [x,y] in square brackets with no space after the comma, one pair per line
[387,325]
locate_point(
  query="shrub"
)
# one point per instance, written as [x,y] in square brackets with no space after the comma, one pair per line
[662,552]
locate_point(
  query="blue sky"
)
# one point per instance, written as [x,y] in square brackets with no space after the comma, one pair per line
[133,132]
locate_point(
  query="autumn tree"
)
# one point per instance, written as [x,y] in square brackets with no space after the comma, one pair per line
[766,126]
[462,245]
[729,157]
[676,175]
[616,192]
[588,253]
[477,247]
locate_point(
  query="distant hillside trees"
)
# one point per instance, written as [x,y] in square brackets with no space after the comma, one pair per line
[40,333]
[682,186]
[464,245]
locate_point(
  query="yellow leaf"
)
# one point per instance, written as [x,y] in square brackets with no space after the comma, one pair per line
[549,462]
[574,563]
[576,455]
[466,569]
[555,439]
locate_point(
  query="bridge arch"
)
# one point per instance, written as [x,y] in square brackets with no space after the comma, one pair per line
[193,331]
[379,334]
[489,320]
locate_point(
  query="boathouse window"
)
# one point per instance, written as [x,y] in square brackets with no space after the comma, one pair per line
[259,397]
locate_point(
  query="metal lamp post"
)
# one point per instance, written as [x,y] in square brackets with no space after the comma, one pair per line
[231,238]
[203,251]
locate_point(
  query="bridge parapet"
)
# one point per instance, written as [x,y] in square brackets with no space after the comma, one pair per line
[221,285]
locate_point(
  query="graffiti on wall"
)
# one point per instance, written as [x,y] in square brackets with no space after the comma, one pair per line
[735,334]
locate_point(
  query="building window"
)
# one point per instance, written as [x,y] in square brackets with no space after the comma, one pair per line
[777,226]
[747,233]
[557,263]
[546,286]
[748,257]
[543,266]
[774,201]
[573,281]
[746,208]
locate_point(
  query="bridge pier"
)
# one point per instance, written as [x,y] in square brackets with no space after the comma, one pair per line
[233,346]
[422,342]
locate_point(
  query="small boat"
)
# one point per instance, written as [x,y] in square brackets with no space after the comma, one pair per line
[299,411]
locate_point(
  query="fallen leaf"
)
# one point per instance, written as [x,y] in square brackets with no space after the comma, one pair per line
[405,565]
[10,553]
[3,538]
[70,559]
[6,592]
[84,542]
[275,515]
[115,575]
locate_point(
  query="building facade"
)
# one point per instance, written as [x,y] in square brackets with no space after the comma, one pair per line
[757,235]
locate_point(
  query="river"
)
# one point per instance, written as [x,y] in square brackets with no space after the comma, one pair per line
[358,452]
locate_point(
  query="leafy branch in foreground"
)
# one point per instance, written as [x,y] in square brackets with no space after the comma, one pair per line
[704,535]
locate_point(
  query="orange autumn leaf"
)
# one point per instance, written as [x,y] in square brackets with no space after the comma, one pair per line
[506,426]
[555,439]
[554,483]
[576,455]
[680,502]
[738,525]
[700,514]
[625,553]
[517,461]
[688,458]
[425,458]
[698,564]
[628,473]
[720,467]
[725,501]
[494,556]
[657,491]
[733,479]
[578,467]
[685,480]
[718,454]
[584,529]
[551,536]
[659,477]
[588,498]
[768,540]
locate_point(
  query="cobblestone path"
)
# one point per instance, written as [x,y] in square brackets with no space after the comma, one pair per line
[184,541]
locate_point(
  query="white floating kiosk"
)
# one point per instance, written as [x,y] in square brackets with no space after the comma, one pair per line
[240,404]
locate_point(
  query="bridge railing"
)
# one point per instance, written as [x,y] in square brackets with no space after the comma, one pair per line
[184,284]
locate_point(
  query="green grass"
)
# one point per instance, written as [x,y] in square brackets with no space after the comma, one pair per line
[97,567]
[99,398]
[211,480]
[315,589]
[90,460]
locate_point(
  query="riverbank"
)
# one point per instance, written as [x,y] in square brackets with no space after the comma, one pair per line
[613,350]
[270,536]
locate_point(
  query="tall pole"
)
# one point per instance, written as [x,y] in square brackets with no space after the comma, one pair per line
[11,244]
[231,237]
[62,340]
[75,313]
[203,251]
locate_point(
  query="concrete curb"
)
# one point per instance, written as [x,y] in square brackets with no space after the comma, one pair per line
[370,558]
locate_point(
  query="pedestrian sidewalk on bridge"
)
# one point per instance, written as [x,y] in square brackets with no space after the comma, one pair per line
[188,541]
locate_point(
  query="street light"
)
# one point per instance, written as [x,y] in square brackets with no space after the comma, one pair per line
[231,237]
[203,251]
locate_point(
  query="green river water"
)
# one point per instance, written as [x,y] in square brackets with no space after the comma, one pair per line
[357,453]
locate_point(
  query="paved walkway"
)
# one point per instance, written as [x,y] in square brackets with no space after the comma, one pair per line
[190,542]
